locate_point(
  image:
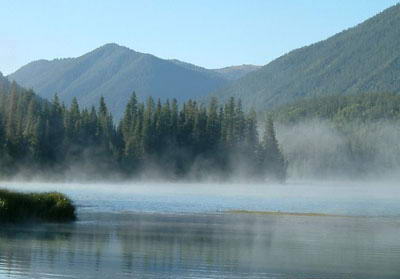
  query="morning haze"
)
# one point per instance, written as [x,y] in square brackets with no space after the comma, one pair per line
[200,139]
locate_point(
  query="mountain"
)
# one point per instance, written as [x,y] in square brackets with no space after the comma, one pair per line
[343,110]
[229,73]
[236,72]
[365,58]
[114,72]
[199,69]
[4,83]
[6,86]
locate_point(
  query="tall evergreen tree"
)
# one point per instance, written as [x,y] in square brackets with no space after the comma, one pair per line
[179,140]
[273,160]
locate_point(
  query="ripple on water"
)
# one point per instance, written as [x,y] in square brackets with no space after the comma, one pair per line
[152,232]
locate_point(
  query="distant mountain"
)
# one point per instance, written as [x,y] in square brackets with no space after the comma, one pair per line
[236,72]
[114,72]
[362,59]
[229,73]
[199,69]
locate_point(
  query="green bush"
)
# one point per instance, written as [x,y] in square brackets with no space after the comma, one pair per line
[25,207]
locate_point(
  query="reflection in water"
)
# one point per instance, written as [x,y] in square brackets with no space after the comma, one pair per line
[113,245]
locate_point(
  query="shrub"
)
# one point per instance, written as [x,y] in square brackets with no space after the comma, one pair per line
[25,207]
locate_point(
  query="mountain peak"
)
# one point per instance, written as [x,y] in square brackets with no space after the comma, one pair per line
[112,46]
[114,71]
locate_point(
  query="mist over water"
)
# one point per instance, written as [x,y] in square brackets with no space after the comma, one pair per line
[185,230]
[162,229]
[340,198]
[318,150]
[126,245]
[183,185]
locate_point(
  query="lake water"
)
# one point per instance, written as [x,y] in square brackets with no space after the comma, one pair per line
[185,231]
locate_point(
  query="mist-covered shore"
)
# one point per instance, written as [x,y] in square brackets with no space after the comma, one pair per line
[335,197]
[325,138]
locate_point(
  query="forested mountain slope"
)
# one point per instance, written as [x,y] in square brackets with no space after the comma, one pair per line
[153,139]
[236,72]
[341,136]
[114,72]
[362,59]
[369,107]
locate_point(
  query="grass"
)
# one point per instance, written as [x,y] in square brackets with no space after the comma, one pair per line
[16,207]
[279,213]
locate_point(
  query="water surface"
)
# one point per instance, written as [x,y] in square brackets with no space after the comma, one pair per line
[183,231]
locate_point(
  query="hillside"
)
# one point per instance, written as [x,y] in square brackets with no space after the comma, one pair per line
[369,107]
[6,87]
[4,83]
[340,136]
[236,72]
[362,59]
[114,72]
[229,73]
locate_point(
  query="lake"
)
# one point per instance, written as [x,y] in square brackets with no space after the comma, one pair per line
[186,231]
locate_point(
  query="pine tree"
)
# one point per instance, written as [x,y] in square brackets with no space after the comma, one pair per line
[213,125]
[273,160]
[49,134]
[1,134]
[148,130]
[239,124]
[106,128]
[128,121]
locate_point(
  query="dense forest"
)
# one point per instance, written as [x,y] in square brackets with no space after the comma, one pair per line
[335,136]
[338,136]
[362,59]
[367,107]
[153,140]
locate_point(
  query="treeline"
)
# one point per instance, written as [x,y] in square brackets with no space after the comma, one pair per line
[154,139]
[341,136]
[368,107]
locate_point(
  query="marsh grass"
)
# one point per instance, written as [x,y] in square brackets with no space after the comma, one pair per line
[16,207]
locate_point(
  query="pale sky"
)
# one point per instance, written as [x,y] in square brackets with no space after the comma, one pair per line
[208,33]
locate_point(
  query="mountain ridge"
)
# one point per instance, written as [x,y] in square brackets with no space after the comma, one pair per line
[114,71]
[238,71]
[364,58]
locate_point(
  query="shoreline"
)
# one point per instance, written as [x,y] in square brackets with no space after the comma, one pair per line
[282,213]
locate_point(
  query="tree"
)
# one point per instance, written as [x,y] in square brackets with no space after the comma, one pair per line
[179,140]
[272,160]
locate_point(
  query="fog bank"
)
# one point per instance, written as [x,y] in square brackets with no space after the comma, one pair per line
[317,149]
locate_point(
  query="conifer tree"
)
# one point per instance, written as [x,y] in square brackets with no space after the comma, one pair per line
[273,161]
[174,138]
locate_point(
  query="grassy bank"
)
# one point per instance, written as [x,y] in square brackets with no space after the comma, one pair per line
[16,207]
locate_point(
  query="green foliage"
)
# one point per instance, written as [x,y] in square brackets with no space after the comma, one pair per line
[48,207]
[272,159]
[362,59]
[170,140]
[370,107]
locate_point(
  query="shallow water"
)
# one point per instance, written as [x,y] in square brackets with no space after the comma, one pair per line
[374,199]
[182,231]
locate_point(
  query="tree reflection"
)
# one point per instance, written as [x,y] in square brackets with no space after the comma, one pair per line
[145,244]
